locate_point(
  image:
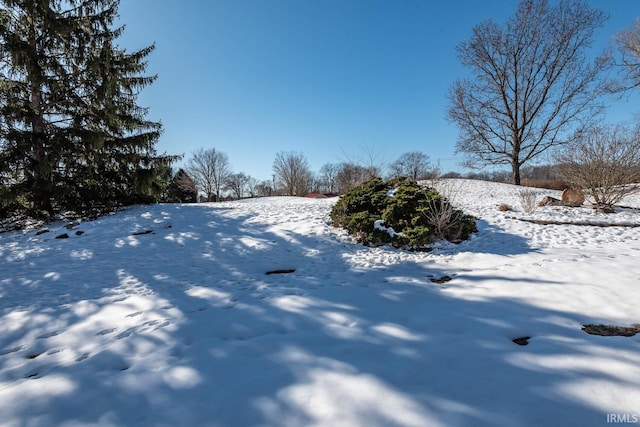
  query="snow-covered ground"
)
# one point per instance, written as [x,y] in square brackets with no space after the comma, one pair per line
[165,316]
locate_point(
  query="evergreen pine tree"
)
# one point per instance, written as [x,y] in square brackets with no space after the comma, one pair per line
[74,131]
[182,188]
[32,93]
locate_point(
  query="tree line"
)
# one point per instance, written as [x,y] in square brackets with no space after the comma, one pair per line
[74,138]
[208,173]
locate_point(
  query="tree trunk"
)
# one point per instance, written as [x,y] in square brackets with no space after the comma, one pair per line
[40,167]
[515,172]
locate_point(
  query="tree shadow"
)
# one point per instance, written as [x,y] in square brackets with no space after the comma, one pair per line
[492,239]
[188,329]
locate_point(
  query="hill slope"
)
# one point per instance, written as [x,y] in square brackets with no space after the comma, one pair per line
[165,315]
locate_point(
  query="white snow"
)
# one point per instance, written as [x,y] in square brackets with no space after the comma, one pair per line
[182,325]
[379,225]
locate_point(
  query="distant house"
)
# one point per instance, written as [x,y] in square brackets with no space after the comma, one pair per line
[319,195]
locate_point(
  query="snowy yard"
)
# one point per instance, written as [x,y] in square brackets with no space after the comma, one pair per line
[164,316]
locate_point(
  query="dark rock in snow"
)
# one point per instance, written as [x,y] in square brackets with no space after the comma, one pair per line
[552,201]
[522,340]
[612,330]
[283,271]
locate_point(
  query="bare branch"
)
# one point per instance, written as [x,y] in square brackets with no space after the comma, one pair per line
[604,161]
[209,169]
[532,84]
[414,165]
[292,172]
[629,48]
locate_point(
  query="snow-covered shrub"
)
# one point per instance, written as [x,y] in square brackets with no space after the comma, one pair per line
[400,212]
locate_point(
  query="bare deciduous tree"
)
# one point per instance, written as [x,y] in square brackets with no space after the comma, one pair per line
[292,172]
[415,165]
[252,183]
[209,169]
[351,175]
[367,159]
[263,189]
[532,83]
[237,183]
[604,162]
[629,48]
[328,177]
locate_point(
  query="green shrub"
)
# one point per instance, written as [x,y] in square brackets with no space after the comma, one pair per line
[400,212]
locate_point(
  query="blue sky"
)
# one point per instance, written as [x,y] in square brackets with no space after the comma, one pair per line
[333,79]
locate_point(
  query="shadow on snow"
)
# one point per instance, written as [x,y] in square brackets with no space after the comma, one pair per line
[207,337]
